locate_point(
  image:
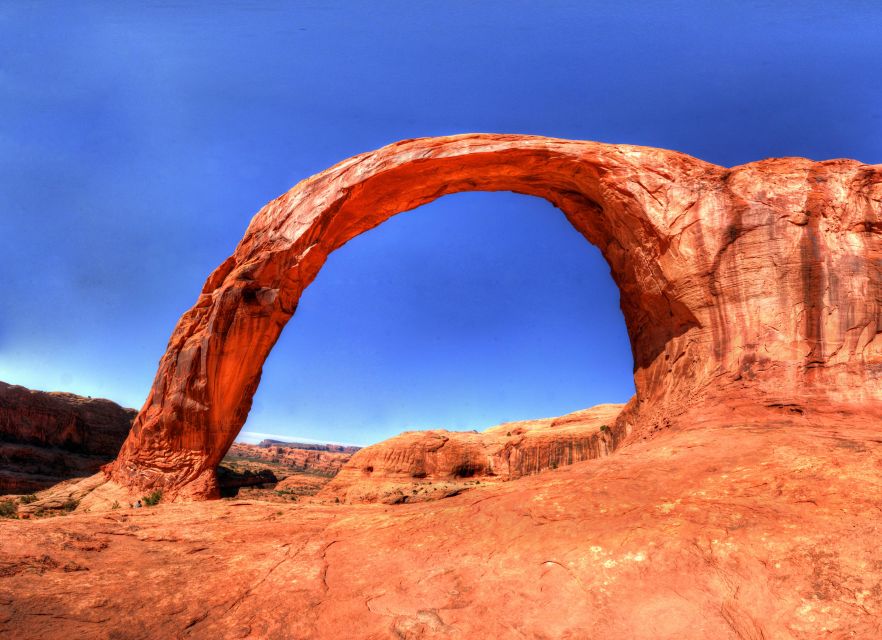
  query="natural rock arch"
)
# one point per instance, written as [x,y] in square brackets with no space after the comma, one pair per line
[725,279]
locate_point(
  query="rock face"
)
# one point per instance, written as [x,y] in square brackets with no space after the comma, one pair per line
[762,281]
[426,465]
[49,437]
[757,522]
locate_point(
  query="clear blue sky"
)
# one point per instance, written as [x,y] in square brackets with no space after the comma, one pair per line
[137,140]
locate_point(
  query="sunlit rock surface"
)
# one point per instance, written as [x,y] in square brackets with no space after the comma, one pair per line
[760,281]
[742,500]
[427,465]
[735,524]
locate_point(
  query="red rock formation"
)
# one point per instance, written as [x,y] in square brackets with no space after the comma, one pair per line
[746,524]
[761,281]
[48,437]
[428,465]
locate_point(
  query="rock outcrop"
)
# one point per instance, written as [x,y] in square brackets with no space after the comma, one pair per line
[427,465]
[49,437]
[758,282]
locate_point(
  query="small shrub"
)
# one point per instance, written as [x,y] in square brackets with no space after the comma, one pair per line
[153,499]
[69,505]
[604,428]
[28,499]
[8,509]
[115,504]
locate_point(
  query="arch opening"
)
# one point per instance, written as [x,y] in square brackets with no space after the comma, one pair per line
[206,381]
[473,310]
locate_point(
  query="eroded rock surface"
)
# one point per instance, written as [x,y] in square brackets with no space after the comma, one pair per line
[47,437]
[759,281]
[428,465]
[740,522]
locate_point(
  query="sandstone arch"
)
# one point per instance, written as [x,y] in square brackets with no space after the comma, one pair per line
[764,276]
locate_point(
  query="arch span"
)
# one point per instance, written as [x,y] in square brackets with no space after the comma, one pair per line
[661,219]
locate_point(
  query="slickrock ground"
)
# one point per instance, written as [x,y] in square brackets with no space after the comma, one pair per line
[752,523]
[428,465]
[47,437]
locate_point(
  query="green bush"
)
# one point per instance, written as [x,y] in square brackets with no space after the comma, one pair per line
[604,428]
[8,509]
[153,499]
[115,504]
[28,499]
[70,504]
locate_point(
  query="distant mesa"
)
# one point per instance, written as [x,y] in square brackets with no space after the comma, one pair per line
[48,437]
[309,446]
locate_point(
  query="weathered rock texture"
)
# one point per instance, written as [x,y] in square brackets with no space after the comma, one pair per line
[427,465]
[49,437]
[745,524]
[759,281]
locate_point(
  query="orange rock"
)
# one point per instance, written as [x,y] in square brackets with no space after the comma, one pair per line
[747,523]
[759,282]
[426,465]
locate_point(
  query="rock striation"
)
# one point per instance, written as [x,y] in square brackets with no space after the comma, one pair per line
[427,465]
[761,282]
[49,437]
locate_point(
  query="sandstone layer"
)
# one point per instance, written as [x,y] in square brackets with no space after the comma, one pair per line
[759,281]
[48,437]
[757,522]
[427,465]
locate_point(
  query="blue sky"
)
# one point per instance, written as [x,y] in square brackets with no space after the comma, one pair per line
[137,140]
